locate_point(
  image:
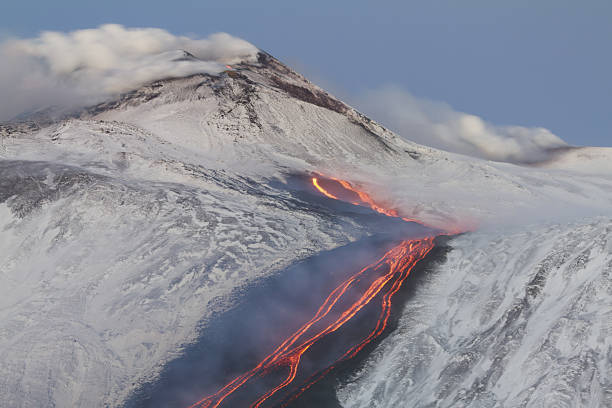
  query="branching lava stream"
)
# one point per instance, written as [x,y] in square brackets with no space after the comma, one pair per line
[384,277]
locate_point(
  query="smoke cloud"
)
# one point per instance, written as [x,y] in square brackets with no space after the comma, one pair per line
[436,124]
[86,66]
[66,70]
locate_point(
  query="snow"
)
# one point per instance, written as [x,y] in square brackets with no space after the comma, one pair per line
[510,319]
[104,279]
[586,160]
[125,226]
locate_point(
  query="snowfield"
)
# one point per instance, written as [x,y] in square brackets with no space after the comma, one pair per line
[509,320]
[103,279]
[586,160]
[124,226]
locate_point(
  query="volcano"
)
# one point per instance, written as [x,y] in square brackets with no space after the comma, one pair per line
[131,228]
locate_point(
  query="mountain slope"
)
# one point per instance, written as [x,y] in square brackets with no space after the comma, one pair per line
[585,160]
[104,278]
[127,224]
[262,117]
[514,320]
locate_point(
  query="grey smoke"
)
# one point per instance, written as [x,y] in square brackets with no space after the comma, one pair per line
[438,125]
[85,66]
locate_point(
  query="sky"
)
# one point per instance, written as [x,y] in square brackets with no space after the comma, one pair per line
[545,63]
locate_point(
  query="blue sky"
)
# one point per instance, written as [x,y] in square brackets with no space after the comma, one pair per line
[533,63]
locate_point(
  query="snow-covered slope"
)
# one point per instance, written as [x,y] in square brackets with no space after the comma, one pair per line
[104,277]
[126,224]
[262,117]
[586,160]
[509,320]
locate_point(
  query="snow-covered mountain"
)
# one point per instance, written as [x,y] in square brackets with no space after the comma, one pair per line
[127,224]
[520,319]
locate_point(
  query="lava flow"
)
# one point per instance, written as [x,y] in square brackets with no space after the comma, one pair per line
[380,280]
[364,198]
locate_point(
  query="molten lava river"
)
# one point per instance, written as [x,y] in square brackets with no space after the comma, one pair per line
[277,379]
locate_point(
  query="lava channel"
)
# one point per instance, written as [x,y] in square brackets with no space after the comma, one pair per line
[380,280]
[358,197]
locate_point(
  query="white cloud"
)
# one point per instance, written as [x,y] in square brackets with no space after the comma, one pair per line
[85,66]
[436,124]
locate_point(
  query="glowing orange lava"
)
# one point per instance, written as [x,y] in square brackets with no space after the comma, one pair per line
[365,198]
[315,182]
[387,276]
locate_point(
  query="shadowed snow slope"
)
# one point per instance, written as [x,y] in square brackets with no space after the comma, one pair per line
[126,225]
[512,320]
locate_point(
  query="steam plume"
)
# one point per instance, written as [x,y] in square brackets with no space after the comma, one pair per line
[436,124]
[88,65]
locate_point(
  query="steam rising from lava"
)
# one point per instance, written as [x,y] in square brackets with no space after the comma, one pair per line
[362,198]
